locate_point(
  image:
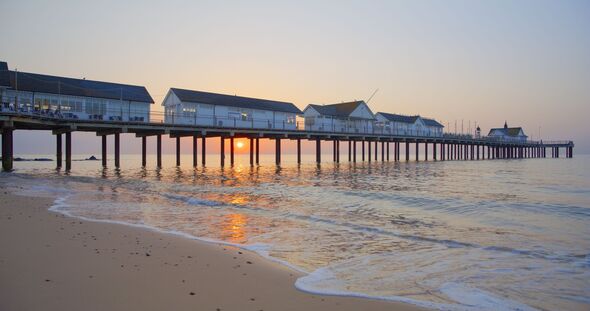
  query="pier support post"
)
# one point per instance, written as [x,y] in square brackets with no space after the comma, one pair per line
[387,151]
[334,150]
[278,151]
[68,150]
[58,150]
[318,151]
[117,150]
[354,151]
[376,155]
[7,149]
[231,151]
[159,150]
[337,151]
[369,150]
[104,150]
[363,150]
[222,151]
[143,151]
[349,151]
[417,150]
[299,150]
[426,151]
[203,150]
[251,140]
[257,151]
[382,151]
[195,151]
[407,151]
[178,151]
[434,151]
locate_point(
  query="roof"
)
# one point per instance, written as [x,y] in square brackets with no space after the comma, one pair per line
[432,122]
[234,101]
[4,78]
[342,110]
[507,131]
[398,117]
[33,82]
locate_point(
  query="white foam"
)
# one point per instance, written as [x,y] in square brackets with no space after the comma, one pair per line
[323,281]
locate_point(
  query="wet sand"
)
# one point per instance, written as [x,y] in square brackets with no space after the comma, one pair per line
[52,262]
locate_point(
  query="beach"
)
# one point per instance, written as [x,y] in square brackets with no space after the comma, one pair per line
[53,262]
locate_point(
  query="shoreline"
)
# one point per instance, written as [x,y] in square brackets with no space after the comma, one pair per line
[51,261]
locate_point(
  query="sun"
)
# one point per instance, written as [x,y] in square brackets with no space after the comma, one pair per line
[240,145]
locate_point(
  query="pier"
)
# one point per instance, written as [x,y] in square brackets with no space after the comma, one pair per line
[374,146]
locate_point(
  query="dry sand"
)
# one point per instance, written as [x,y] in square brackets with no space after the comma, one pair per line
[52,262]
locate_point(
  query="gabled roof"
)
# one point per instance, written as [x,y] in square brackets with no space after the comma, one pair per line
[432,122]
[507,131]
[398,117]
[343,110]
[409,119]
[4,77]
[33,82]
[234,101]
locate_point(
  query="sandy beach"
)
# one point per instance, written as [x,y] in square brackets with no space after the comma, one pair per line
[53,262]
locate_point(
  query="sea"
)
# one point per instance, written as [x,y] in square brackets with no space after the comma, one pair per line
[447,235]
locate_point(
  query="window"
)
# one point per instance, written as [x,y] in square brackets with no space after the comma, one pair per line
[95,106]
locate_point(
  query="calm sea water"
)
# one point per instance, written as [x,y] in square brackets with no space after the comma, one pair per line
[473,235]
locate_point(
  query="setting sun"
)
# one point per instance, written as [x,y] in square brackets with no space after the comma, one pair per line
[240,144]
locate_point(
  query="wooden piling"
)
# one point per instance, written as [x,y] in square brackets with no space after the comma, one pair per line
[195,151]
[278,151]
[318,151]
[203,150]
[104,150]
[231,151]
[178,151]
[117,150]
[159,150]
[68,151]
[143,151]
[58,150]
[7,149]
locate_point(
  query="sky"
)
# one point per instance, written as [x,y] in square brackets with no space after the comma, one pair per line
[524,62]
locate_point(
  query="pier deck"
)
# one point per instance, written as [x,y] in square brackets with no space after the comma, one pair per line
[447,147]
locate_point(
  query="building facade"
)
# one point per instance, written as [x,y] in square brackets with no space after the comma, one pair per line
[395,124]
[219,110]
[63,97]
[351,117]
[509,134]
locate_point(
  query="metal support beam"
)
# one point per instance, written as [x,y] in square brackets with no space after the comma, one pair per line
[354,151]
[407,151]
[117,150]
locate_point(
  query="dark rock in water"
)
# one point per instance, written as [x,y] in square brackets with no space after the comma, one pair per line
[42,159]
[92,158]
[19,159]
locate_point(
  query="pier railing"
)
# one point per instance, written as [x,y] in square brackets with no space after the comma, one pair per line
[135,116]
